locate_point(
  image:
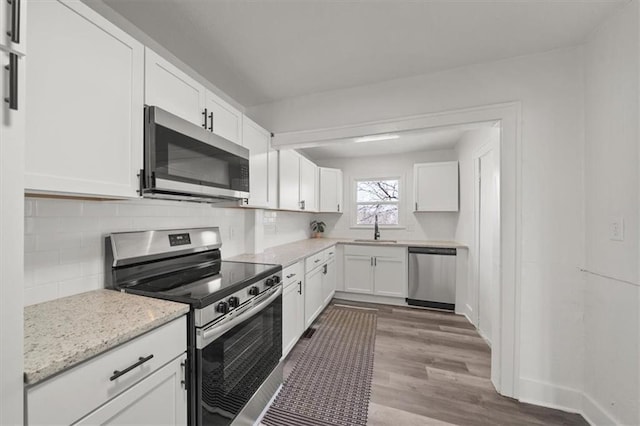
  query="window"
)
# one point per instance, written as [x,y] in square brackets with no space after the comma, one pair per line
[377,197]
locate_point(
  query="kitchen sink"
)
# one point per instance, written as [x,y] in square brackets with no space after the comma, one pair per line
[375,241]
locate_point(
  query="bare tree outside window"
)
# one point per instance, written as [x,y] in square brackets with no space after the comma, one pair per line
[377,197]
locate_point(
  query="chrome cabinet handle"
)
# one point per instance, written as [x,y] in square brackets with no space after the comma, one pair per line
[15,21]
[141,360]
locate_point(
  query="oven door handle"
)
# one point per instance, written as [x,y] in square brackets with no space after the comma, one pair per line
[212,333]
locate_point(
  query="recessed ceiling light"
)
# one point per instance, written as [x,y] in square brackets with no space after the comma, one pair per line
[375,138]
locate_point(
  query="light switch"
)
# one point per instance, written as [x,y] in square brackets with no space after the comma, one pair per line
[616,228]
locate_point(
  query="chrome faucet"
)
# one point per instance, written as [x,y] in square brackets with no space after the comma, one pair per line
[376,231]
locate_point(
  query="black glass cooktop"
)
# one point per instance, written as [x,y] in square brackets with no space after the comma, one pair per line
[200,285]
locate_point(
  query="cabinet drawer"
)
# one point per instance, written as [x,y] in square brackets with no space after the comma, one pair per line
[293,274]
[312,262]
[70,395]
[330,253]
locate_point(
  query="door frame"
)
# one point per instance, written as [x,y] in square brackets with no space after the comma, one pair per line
[505,354]
[483,150]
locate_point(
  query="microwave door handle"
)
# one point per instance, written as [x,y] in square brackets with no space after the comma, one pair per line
[217,330]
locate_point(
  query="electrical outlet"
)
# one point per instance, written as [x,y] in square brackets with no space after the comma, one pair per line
[616,228]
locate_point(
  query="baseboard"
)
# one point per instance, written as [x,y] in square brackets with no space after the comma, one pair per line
[551,396]
[565,399]
[595,414]
[369,298]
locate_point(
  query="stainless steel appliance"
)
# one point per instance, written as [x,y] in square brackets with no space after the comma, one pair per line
[234,325]
[432,277]
[187,162]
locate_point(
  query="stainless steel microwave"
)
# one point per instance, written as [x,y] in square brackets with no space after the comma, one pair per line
[183,161]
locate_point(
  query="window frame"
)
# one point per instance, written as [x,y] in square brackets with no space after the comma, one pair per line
[354,202]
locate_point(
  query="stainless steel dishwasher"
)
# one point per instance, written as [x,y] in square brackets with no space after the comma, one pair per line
[432,277]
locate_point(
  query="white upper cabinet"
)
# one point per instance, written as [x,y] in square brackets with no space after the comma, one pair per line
[171,89]
[12,25]
[289,185]
[273,179]
[224,120]
[85,122]
[330,193]
[298,182]
[436,187]
[308,185]
[257,141]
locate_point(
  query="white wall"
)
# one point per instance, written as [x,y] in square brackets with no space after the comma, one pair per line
[418,226]
[550,88]
[612,354]
[282,227]
[64,239]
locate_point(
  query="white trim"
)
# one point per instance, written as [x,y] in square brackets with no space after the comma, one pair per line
[595,414]
[551,396]
[505,356]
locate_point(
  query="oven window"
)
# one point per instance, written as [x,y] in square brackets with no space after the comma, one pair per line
[232,368]
[186,159]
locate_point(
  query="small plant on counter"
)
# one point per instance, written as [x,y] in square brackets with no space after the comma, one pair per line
[317,226]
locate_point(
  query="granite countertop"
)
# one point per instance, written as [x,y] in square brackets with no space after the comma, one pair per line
[62,333]
[288,254]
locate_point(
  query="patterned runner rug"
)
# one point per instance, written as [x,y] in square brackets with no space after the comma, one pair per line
[331,382]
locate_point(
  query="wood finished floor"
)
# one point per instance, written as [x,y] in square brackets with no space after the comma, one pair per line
[433,368]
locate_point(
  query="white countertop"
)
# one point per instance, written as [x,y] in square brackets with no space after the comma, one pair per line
[62,333]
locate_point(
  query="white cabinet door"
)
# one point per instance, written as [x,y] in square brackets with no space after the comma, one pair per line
[85,96]
[328,282]
[308,185]
[289,185]
[436,186]
[12,32]
[330,190]
[257,140]
[272,196]
[168,87]
[292,316]
[312,296]
[225,120]
[390,276]
[160,399]
[358,273]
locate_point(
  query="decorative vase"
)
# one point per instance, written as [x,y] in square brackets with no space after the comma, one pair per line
[317,234]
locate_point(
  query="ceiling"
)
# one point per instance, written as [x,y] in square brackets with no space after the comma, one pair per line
[264,51]
[408,142]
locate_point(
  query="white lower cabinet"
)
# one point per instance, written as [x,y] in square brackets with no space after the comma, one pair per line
[381,271]
[138,382]
[292,316]
[313,300]
[160,399]
[328,281]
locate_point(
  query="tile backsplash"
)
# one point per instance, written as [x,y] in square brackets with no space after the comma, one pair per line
[282,227]
[64,239]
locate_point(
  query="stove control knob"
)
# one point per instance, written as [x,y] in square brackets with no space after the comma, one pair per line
[233,302]
[254,291]
[269,282]
[222,307]
[276,279]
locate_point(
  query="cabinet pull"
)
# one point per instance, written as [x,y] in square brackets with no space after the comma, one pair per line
[15,21]
[204,116]
[371,261]
[12,100]
[324,269]
[141,360]
[375,261]
[338,207]
[211,121]
[416,206]
[299,287]
[183,381]
[291,275]
[316,261]
[302,205]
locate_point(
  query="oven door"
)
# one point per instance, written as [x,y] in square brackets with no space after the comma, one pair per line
[182,158]
[235,356]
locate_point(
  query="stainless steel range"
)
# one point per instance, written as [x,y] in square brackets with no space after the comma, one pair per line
[235,322]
